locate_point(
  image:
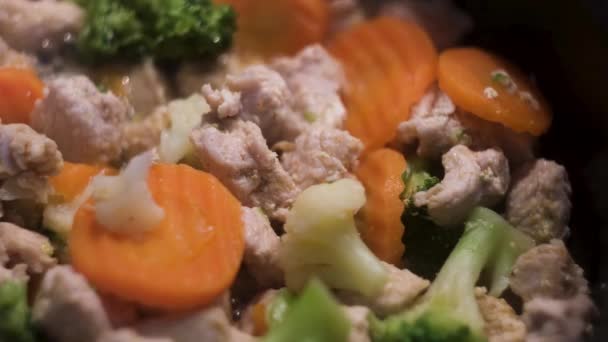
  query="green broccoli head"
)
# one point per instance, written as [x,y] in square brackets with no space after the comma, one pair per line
[449,309]
[165,29]
[416,178]
[15,325]
[314,316]
[322,241]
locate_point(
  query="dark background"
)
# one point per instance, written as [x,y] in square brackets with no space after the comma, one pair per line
[563,45]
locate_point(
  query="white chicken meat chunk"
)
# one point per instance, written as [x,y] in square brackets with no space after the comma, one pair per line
[39,25]
[322,155]
[261,248]
[21,252]
[12,58]
[315,79]
[84,122]
[238,156]
[65,298]
[502,324]
[539,201]
[471,179]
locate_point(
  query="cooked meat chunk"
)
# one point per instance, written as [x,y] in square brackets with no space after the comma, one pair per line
[28,159]
[39,25]
[65,298]
[23,251]
[140,135]
[558,320]
[322,155]
[261,248]
[436,125]
[440,18]
[83,121]
[128,335]
[315,79]
[471,179]
[344,14]
[547,270]
[13,58]
[501,322]
[359,324]
[223,102]
[239,157]
[539,201]
[146,89]
[400,290]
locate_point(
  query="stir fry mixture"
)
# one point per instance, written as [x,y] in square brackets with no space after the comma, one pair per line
[274,171]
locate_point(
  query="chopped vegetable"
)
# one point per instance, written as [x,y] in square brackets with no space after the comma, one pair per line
[19,90]
[15,325]
[322,241]
[314,316]
[189,259]
[389,65]
[185,116]
[465,74]
[448,311]
[380,173]
[166,30]
[417,177]
[270,28]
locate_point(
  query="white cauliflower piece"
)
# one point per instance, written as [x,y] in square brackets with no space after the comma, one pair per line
[124,203]
[261,248]
[501,322]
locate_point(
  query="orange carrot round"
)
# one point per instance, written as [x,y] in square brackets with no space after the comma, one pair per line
[380,173]
[493,89]
[19,90]
[74,178]
[279,27]
[389,64]
[186,261]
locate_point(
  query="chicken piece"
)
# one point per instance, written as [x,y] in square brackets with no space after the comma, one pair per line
[146,88]
[23,251]
[322,155]
[547,270]
[471,179]
[28,159]
[67,308]
[501,322]
[140,135]
[84,122]
[42,25]
[128,335]
[445,23]
[344,14]
[558,320]
[400,290]
[315,79]
[210,325]
[359,323]
[224,103]
[436,125]
[261,248]
[239,157]
[539,201]
[13,58]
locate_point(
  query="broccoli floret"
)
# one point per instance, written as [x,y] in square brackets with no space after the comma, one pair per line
[322,241]
[15,321]
[448,311]
[417,177]
[314,316]
[165,29]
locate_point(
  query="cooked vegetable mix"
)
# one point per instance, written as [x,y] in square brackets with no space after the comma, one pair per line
[274,171]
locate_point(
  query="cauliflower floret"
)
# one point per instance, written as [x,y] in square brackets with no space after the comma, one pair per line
[64,298]
[39,25]
[84,122]
[238,156]
[322,155]
[539,201]
[23,251]
[261,248]
[501,322]
[471,179]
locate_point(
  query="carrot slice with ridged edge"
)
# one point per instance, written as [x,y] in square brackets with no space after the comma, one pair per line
[380,173]
[493,89]
[19,90]
[185,262]
[74,178]
[389,64]
[279,27]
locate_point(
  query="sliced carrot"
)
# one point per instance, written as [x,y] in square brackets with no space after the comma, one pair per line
[258,316]
[279,27]
[19,90]
[493,89]
[74,178]
[186,261]
[380,173]
[389,64]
